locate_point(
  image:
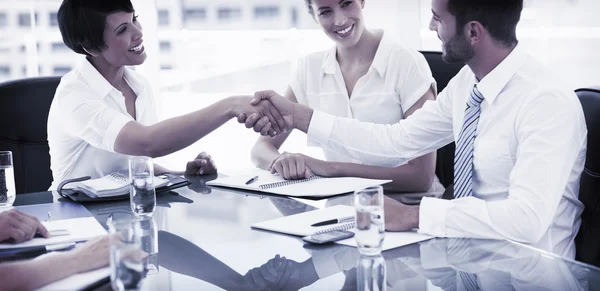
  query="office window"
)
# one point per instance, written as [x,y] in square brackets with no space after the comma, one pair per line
[23,48]
[61,70]
[53,19]
[229,13]
[194,14]
[59,47]
[4,71]
[163,17]
[3,20]
[25,19]
[165,46]
[261,12]
[294,16]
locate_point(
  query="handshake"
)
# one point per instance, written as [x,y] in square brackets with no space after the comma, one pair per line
[268,113]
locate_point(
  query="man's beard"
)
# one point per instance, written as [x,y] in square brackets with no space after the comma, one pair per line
[458,50]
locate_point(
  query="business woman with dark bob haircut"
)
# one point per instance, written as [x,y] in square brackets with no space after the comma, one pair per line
[104,111]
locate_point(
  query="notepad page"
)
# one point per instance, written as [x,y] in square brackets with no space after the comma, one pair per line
[300,224]
[80,229]
[313,188]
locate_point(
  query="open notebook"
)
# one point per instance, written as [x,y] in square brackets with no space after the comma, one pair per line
[316,186]
[300,225]
[111,185]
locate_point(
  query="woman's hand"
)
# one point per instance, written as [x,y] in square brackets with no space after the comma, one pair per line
[91,255]
[298,166]
[202,165]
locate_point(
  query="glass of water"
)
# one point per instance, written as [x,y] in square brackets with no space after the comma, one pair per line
[149,239]
[142,193]
[370,225]
[7,180]
[371,273]
[126,255]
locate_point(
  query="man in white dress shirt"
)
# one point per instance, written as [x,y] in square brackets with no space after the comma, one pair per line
[520,134]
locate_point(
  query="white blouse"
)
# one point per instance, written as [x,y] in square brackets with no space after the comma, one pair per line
[85,118]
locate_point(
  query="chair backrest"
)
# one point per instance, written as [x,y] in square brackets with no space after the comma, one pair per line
[24,107]
[588,238]
[443,73]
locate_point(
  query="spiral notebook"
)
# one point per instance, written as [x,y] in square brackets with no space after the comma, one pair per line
[300,224]
[315,186]
[114,184]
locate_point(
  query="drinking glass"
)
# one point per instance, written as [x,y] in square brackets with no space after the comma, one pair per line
[149,238]
[7,180]
[126,255]
[370,226]
[371,273]
[142,193]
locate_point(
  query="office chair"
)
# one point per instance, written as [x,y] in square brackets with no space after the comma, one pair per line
[443,73]
[587,241]
[24,107]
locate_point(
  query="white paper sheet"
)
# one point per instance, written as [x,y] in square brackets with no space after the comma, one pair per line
[80,229]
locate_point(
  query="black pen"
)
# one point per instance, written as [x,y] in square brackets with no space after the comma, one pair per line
[334,221]
[252,180]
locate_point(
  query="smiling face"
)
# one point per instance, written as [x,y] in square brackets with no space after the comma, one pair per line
[341,20]
[123,40]
[455,45]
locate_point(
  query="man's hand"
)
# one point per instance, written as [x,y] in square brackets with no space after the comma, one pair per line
[17,227]
[203,164]
[298,166]
[266,119]
[288,110]
[399,216]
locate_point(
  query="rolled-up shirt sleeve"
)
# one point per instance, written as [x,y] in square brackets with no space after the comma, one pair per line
[428,129]
[91,119]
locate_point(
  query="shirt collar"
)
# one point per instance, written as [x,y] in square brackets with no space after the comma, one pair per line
[101,86]
[494,82]
[94,79]
[380,61]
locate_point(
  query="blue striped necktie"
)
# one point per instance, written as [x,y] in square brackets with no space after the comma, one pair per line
[463,156]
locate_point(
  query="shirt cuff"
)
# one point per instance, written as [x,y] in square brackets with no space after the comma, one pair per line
[110,136]
[432,216]
[319,129]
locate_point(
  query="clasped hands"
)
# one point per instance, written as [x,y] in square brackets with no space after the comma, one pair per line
[268,113]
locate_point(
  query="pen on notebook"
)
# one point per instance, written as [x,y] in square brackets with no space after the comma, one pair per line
[252,180]
[334,221]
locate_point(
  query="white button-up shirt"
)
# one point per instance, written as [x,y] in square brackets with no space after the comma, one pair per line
[85,118]
[397,79]
[528,157]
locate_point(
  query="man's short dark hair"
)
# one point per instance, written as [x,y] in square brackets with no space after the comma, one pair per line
[82,22]
[499,17]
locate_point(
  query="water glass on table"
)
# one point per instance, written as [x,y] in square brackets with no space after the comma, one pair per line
[7,180]
[142,193]
[126,255]
[370,225]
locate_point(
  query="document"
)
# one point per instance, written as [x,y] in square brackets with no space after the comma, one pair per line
[301,225]
[316,186]
[79,229]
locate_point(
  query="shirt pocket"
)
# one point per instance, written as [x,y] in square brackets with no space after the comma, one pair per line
[494,160]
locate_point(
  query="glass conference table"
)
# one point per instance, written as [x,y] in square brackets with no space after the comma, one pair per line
[205,243]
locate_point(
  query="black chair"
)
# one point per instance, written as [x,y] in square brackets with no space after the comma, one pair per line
[587,241]
[24,107]
[443,73]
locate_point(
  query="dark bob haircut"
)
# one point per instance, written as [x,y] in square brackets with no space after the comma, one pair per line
[82,22]
[499,17]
